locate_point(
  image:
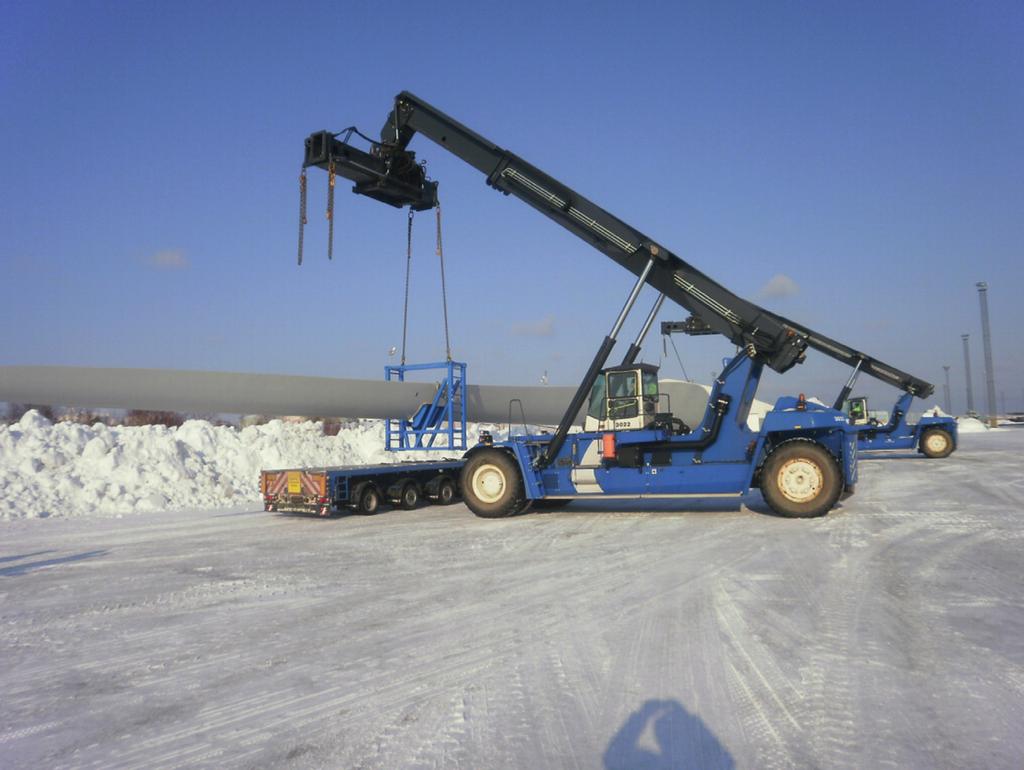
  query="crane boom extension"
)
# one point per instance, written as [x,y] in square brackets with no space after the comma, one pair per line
[388,172]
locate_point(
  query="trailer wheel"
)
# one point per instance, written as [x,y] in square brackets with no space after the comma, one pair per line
[492,486]
[800,480]
[368,499]
[445,492]
[410,496]
[936,443]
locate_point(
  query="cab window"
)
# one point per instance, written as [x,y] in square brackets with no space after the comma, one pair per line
[650,384]
[621,384]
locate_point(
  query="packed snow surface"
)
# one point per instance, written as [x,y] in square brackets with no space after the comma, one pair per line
[971,425]
[66,469]
[889,633]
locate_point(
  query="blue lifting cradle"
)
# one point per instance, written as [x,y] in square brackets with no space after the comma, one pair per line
[437,424]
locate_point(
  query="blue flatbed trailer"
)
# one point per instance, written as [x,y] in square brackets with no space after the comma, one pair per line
[332,489]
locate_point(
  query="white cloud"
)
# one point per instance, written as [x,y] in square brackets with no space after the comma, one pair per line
[780,286]
[168,259]
[545,327]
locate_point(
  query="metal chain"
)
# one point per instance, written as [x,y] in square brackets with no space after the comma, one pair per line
[408,270]
[302,209]
[444,291]
[330,210]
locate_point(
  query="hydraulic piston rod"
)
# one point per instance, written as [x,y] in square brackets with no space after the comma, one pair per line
[634,349]
[848,387]
[590,378]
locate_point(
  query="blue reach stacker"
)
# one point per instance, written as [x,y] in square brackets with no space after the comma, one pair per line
[934,436]
[803,458]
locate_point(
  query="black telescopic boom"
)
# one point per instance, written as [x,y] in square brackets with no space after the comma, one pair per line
[390,173]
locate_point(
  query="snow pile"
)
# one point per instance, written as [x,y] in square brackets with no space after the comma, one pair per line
[970,425]
[67,469]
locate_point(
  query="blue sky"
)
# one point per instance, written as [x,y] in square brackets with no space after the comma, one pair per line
[869,154]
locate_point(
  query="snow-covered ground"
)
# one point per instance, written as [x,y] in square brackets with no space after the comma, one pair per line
[888,634]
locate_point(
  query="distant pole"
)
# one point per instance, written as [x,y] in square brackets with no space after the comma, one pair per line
[949,402]
[967,368]
[1002,401]
[986,339]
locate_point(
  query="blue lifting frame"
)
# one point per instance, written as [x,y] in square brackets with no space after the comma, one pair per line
[437,424]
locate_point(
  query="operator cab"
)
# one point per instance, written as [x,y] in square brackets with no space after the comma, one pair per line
[857,411]
[623,398]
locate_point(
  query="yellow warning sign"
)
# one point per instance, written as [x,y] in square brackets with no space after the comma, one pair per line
[294,483]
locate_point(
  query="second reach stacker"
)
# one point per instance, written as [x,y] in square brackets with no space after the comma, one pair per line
[803,458]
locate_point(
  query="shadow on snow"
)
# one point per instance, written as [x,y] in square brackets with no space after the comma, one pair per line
[21,569]
[662,735]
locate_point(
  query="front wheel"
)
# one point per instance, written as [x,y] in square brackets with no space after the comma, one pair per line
[492,486]
[800,480]
[936,443]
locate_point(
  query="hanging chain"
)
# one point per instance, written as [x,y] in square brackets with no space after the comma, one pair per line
[444,291]
[408,271]
[330,210]
[302,209]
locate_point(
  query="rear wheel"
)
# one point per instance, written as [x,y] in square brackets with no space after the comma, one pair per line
[492,486]
[800,479]
[936,443]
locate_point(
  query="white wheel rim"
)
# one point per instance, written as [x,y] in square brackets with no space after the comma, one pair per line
[936,443]
[800,480]
[488,483]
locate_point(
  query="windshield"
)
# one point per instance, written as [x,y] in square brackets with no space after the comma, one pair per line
[621,384]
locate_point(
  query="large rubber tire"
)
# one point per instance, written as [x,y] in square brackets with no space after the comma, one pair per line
[936,443]
[410,496]
[492,486]
[368,500]
[445,492]
[800,480]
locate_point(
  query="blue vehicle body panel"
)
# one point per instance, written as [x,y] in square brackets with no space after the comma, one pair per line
[721,457]
[898,433]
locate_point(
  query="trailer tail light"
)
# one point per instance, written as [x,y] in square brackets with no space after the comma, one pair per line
[321,500]
[608,440]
